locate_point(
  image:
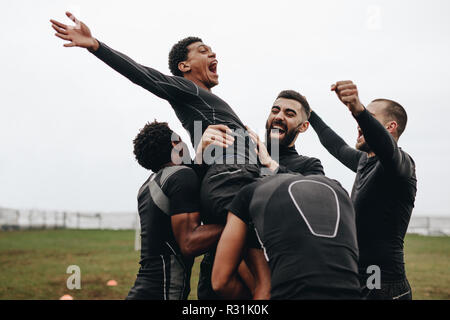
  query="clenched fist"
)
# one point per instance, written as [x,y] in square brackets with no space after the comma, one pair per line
[347,92]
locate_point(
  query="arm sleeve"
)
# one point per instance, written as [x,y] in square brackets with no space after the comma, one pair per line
[240,208]
[312,167]
[335,144]
[384,145]
[241,204]
[283,169]
[252,239]
[182,188]
[166,87]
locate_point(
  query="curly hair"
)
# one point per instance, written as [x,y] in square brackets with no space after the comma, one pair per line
[152,145]
[179,53]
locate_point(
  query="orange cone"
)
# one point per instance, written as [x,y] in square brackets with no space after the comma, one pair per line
[111,283]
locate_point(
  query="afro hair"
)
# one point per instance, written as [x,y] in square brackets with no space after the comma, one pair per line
[179,53]
[153,145]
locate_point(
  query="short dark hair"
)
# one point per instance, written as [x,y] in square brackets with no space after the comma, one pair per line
[153,145]
[179,53]
[294,95]
[394,111]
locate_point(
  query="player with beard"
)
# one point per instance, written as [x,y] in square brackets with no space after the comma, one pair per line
[194,68]
[287,119]
[384,190]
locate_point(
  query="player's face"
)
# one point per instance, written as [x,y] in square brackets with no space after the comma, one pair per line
[286,120]
[203,64]
[179,150]
[376,109]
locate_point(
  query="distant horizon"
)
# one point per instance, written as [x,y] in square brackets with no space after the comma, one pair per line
[112,212]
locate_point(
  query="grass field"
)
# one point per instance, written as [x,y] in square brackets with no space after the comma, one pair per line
[33,264]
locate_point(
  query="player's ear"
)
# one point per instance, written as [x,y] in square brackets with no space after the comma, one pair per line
[303,127]
[391,126]
[184,66]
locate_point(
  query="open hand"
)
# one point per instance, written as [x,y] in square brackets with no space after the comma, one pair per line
[79,35]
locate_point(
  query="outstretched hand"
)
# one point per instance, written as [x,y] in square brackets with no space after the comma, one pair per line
[78,35]
[347,92]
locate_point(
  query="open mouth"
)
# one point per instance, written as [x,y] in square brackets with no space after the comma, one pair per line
[213,67]
[281,129]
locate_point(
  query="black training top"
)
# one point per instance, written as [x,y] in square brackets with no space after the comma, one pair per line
[383,193]
[291,161]
[306,226]
[190,102]
[180,186]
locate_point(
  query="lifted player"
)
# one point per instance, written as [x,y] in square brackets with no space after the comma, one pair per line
[194,68]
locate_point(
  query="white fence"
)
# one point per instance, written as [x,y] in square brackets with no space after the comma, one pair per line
[33,219]
[11,219]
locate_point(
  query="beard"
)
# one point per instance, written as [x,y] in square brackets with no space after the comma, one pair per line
[288,138]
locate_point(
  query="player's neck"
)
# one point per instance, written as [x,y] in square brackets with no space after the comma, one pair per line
[197,82]
[168,164]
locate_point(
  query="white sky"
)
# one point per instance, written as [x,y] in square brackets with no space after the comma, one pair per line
[67,120]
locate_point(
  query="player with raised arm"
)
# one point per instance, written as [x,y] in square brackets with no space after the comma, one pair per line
[194,68]
[384,190]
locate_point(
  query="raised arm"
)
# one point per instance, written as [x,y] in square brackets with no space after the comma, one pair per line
[376,134]
[166,87]
[383,144]
[335,145]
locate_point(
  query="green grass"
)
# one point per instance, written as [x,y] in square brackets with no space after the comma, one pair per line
[33,264]
[427,261]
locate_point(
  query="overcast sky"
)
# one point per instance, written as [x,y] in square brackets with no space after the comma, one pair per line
[67,121]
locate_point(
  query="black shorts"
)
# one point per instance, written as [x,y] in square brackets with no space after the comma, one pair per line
[163,277]
[390,290]
[219,187]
